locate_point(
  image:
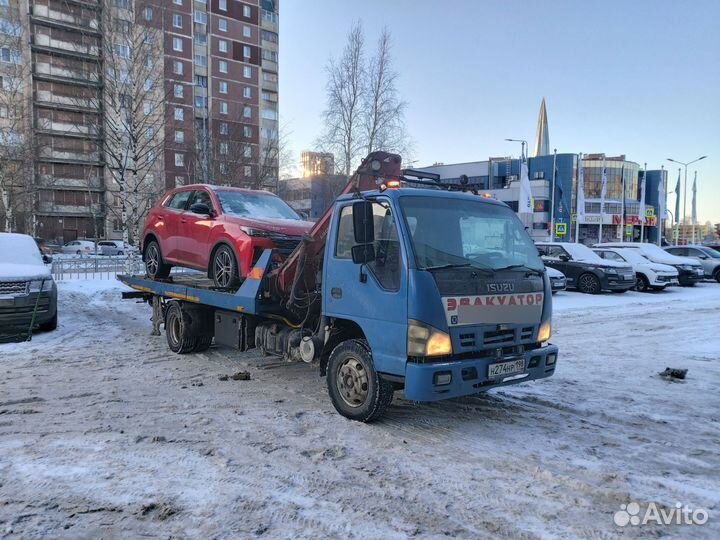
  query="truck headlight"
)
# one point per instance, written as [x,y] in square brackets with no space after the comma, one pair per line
[40,285]
[424,340]
[545,331]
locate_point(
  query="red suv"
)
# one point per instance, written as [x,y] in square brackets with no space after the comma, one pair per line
[221,230]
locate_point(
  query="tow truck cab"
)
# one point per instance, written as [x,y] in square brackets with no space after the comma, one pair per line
[446,288]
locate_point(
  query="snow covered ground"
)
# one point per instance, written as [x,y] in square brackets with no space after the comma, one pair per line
[105,433]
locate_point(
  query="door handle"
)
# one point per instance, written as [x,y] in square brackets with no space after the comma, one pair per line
[183,221]
[336,292]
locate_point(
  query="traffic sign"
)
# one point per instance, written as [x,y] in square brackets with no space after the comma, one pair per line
[560,229]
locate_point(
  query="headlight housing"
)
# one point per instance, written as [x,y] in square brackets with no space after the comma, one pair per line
[545,331]
[252,231]
[611,271]
[425,340]
[40,285]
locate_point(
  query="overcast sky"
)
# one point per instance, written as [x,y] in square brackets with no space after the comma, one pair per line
[637,78]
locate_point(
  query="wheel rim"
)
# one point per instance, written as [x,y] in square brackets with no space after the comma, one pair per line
[152,260]
[587,283]
[352,382]
[224,268]
[174,329]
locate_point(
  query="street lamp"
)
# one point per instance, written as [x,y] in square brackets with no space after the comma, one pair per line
[685,190]
[524,142]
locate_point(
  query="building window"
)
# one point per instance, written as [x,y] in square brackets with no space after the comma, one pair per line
[247,151]
[148,13]
[247,31]
[222,25]
[246,51]
[123,51]
[270,55]
[149,133]
[201,17]
[179,114]
[223,45]
[223,107]
[177,2]
[124,4]
[178,67]
[222,4]
[200,38]
[266,35]
[247,112]
[223,148]
[247,92]
[247,170]
[247,12]
[269,114]
[179,137]
[224,128]
[179,91]
[200,60]
[223,66]
[247,131]
[247,72]
[147,108]
[177,44]
[201,81]
[179,160]
[223,87]
[270,77]
[177,21]
[269,96]
[147,85]
[201,102]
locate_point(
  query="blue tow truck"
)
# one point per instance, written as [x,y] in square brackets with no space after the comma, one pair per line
[404,284]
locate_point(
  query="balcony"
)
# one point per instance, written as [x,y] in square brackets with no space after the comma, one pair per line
[46,71]
[93,183]
[70,156]
[73,103]
[66,128]
[53,17]
[50,208]
[44,41]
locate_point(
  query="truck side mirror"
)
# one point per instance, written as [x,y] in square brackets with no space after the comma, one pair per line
[363,253]
[363,224]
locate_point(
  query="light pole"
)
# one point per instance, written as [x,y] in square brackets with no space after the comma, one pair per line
[685,189]
[552,198]
[522,152]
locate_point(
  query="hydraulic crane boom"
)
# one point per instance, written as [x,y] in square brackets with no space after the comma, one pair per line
[296,275]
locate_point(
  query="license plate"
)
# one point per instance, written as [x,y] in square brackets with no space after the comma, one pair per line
[503,369]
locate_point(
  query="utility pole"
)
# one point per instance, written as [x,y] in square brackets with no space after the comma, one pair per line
[552,198]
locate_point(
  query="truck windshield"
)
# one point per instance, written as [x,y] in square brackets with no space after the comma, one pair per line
[456,232]
[254,205]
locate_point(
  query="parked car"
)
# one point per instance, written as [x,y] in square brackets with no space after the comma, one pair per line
[558,282]
[26,285]
[220,230]
[584,269]
[45,252]
[689,270]
[80,247]
[716,247]
[707,257]
[114,247]
[648,275]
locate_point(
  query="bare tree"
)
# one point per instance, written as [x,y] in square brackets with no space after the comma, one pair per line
[383,110]
[17,143]
[134,106]
[346,87]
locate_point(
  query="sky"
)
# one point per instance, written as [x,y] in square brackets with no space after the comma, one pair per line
[636,78]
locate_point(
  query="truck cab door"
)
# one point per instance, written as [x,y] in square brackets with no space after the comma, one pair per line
[373,295]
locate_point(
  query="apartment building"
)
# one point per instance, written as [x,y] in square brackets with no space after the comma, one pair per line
[126,98]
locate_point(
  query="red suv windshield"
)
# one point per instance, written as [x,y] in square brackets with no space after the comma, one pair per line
[255,205]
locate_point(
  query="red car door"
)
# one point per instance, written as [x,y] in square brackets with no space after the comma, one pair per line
[195,230]
[170,232]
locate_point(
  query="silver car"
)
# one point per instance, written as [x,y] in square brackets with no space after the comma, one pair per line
[112,247]
[707,257]
[80,247]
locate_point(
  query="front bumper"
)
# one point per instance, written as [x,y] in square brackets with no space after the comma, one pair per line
[17,312]
[471,376]
[617,283]
[558,284]
[690,276]
[664,280]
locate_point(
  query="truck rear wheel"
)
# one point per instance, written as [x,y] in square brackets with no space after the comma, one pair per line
[355,388]
[177,329]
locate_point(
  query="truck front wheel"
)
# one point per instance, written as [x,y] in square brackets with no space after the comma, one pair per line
[180,337]
[355,388]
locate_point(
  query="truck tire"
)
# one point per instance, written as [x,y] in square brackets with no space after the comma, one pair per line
[589,283]
[355,388]
[154,265]
[203,343]
[177,329]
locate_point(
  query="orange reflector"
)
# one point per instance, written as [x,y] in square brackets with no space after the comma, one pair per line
[487,195]
[393,184]
[256,273]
